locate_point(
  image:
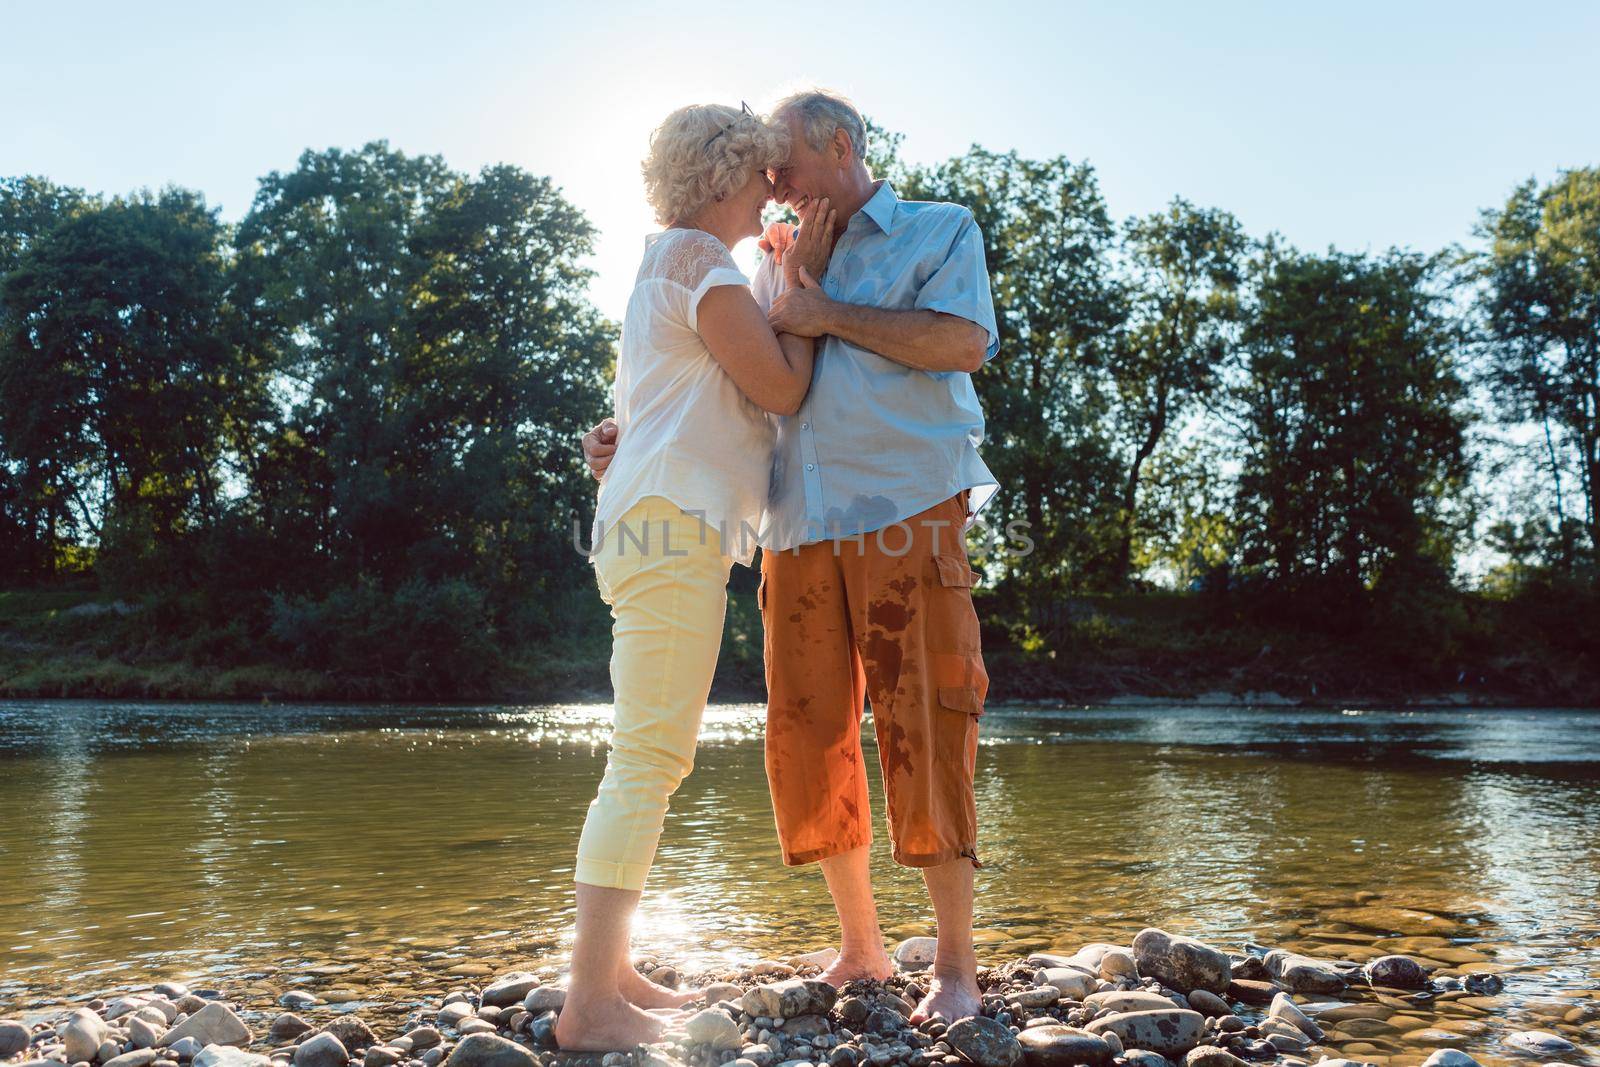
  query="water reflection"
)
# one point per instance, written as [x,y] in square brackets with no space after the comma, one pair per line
[145,841]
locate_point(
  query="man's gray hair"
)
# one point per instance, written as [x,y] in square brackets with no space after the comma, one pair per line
[821,113]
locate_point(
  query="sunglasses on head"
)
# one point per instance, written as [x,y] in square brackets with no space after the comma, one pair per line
[744,107]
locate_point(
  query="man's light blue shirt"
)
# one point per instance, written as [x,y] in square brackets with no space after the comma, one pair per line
[876,442]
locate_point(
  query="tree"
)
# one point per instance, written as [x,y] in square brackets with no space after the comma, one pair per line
[120,373]
[1353,431]
[440,358]
[1540,303]
[1184,296]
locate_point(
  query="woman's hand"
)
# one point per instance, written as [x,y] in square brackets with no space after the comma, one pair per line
[813,247]
[776,240]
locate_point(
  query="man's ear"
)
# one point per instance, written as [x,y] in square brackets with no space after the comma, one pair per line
[843,150]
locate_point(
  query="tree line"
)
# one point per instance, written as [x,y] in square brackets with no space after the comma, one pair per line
[345,428]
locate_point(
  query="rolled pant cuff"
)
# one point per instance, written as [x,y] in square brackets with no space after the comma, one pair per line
[796,859]
[611,875]
[934,859]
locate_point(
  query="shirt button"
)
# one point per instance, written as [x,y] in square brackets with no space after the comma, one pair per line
[811,466]
[805,426]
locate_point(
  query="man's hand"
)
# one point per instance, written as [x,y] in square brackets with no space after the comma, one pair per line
[802,311]
[599,445]
[813,246]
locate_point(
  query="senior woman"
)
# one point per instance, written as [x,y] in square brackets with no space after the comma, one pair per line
[698,372]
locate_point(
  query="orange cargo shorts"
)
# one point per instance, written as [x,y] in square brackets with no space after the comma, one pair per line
[887,617]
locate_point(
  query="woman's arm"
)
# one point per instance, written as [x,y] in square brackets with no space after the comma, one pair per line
[773,370]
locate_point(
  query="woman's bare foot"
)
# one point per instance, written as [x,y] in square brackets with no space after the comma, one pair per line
[951,997]
[606,1024]
[848,968]
[638,990]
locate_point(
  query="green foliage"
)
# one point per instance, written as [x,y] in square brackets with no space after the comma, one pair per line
[1353,430]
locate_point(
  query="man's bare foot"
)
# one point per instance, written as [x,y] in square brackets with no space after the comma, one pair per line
[951,997]
[606,1024]
[857,965]
[638,990]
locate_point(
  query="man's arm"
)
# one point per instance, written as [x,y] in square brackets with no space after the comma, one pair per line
[918,338]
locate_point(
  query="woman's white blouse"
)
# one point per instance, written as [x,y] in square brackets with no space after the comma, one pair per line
[686,431]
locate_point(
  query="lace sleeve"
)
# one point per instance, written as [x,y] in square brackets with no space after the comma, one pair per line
[698,262]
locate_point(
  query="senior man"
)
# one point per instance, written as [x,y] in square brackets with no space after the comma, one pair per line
[865,587]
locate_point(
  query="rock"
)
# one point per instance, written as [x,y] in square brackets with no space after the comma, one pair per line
[321,1050]
[139,1057]
[1540,1042]
[771,969]
[352,1033]
[713,1027]
[806,1026]
[1302,974]
[1211,1056]
[821,959]
[785,1000]
[1062,1046]
[1181,962]
[1141,1057]
[1483,983]
[1042,996]
[1208,1003]
[1287,1010]
[542,1030]
[664,976]
[1117,1000]
[762,1055]
[286,1028]
[884,1021]
[227,1056]
[489,1050]
[1118,964]
[382,1056]
[107,1050]
[423,1037]
[187,1048]
[13,1038]
[508,989]
[1450,1057]
[915,953]
[298,1000]
[1398,972]
[1171,1032]
[1337,1062]
[477,1026]
[82,1035]
[458,1011]
[542,999]
[1250,991]
[143,1033]
[984,1042]
[717,992]
[1070,982]
[214,1024]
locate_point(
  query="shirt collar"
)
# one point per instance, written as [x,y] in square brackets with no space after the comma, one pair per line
[880,207]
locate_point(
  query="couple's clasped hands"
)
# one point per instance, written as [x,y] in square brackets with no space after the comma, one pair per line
[802,308]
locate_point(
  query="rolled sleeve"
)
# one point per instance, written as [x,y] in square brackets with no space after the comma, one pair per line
[960,286]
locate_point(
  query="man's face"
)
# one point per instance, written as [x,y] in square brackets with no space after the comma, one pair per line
[808,174]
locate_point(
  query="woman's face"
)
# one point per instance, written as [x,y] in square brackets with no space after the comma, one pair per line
[750,201]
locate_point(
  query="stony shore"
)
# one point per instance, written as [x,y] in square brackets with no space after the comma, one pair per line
[1162,1001]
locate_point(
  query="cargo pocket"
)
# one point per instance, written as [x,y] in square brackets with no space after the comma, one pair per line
[952,618]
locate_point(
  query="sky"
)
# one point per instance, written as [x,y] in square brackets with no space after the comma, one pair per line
[1356,125]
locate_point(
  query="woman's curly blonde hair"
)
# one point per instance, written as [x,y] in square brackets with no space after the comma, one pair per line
[705,151]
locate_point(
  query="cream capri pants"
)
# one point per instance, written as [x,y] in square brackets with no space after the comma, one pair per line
[666,579]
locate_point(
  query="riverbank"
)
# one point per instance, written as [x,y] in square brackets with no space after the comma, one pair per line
[1160,1000]
[1164,648]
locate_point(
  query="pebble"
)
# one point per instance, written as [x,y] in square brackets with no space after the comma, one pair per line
[715,1028]
[488,1050]
[13,1038]
[508,989]
[1303,974]
[1542,1042]
[82,1035]
[1399,972]
[1181,962]
[321,1050]
[1208,1003]
[287,1027]
[352,1032]
[187,1048]
[1211,1056]
[542,999]
[144,1033]
[1118,963]
[1172,1032]
[1287,1010]
[228,1056]
[213,1024]
[139,1057]
[1129,1000]
[298,1000]
[1450,1057]
[785,1000]
[915,953]
[1054,1045]
[1070,982]
[984,1042]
